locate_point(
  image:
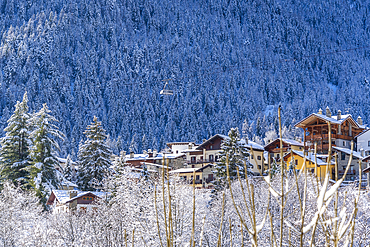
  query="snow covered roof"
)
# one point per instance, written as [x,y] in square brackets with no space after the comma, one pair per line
[348,151]
[310,157]
[63,195]
[158,156]
[293,142]
[184,170]
[252,145]
[333,119]
[190,170]
[249,145]
[170,144]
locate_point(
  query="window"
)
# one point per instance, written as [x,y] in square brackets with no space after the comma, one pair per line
[177,151]
[368,143]
[342,156]
[216,158]
[251,157]
[211,158]
[344,143]
[197,177]
[296,162]
[201,158]
[259,167]
[259,157]
[87,198]
[211,147]
[277,156]
[210,177]
[193,159]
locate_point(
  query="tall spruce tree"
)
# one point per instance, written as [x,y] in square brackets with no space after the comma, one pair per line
[94,157]
[44,169]
[235,153]
[14,149]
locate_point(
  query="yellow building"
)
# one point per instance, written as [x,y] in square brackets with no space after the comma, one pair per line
[316,166]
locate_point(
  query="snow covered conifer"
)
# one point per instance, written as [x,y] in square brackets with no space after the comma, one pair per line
[14,149]
[44,174]
[69,170]
[237,154]
[94,157]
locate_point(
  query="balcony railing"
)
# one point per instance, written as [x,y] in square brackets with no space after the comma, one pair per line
[326,137]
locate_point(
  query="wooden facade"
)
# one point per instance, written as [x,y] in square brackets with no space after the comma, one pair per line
[316,130]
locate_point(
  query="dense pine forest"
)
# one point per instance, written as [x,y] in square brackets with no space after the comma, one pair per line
[231,62]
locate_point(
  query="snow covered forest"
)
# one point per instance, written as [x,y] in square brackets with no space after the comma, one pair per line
[230,61]
[155,213]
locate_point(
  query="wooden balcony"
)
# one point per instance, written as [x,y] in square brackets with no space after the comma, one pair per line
[326,137]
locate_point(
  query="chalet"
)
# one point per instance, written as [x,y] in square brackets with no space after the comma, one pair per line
[66,201]
[203,176]
[209,152]
[314,164]
[344,129]
[343,158]
[273,149]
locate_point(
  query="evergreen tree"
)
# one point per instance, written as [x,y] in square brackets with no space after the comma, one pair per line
[236,153]
[14,149]
[94,157]
[44,169]
[69,170]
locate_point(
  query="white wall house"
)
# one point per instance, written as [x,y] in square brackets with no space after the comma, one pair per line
[363,142]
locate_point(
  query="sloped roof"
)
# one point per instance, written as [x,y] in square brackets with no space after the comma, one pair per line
[190,170]
[209,141]
[309,157]
[348,151]
[332,120]
[63,195]
[288,141]
[243,142]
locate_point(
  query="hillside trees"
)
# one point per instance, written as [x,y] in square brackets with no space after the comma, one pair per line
[93,157]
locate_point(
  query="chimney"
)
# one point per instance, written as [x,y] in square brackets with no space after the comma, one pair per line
[145,152]
[328,113]
[72,193]
[359,120]
[150,153]
[362,152]
[320,111]
[155,153]
[190,146]
[123,153]
[132,154]
[339,116]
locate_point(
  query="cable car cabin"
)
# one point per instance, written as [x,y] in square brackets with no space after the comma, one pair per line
[166,92]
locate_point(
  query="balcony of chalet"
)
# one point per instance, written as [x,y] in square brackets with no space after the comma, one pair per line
[319,137]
